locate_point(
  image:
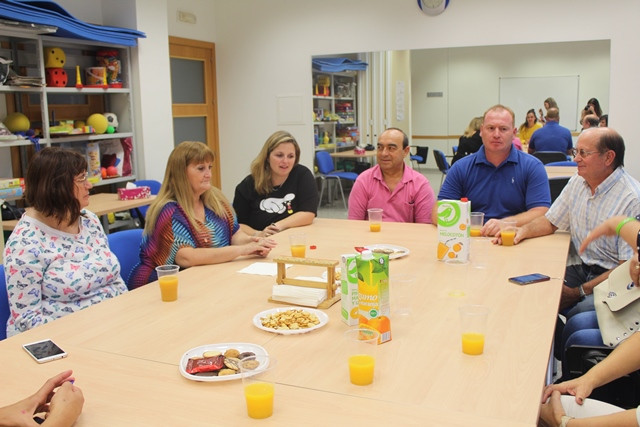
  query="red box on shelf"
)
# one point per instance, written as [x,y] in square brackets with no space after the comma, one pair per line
[134,193]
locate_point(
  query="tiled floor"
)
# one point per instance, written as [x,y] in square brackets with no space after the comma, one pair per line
[337,210]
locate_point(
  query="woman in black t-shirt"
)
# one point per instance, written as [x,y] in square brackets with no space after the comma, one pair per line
[279,193]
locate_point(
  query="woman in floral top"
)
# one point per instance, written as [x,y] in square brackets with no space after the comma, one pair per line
[57,260]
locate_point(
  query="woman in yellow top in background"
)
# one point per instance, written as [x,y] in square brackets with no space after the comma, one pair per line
[527,129]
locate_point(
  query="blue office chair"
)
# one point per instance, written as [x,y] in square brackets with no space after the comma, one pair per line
[547,157]
[441,161]
[126,245]
[4,304]
[562,163]
[142,210]
[327,172]
[421,155]
[454,149]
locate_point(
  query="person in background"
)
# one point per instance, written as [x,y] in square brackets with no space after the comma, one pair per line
[590,121]
[601,188]
[604,121]
[553,136]
[47,406]
[592,107]
[190,222]
[279,193]
[57,260]
[499,180]
[548,103]
[404,194]
[470,141]
[621,361]
[527,128]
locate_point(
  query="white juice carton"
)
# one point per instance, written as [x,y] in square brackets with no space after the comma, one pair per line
[453,230]
[349,289]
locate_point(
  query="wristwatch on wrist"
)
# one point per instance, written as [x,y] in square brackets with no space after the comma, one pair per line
[582,294]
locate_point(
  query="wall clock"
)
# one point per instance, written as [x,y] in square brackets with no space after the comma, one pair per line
[433,7]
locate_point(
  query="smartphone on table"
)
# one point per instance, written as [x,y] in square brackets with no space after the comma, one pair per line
[44,351]
[527,279]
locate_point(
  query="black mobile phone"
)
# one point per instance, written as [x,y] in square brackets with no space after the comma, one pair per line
[527,279]
[44,351]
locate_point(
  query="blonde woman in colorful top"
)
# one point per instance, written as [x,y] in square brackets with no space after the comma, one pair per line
[191,222]
[57,260]
[527,128]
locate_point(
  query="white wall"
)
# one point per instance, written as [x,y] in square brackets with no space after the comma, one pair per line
[469,79]
[264,49]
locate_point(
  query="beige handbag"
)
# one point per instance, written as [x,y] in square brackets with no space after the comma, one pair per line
[617,302]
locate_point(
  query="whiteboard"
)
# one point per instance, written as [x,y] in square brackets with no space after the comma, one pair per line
[523,93]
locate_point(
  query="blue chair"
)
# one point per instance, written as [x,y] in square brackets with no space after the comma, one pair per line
[547,157]
[441,161]
[142,210]
[327,172]
[4,305]
[421,155]
[454,149]
[126,245]
[562,163]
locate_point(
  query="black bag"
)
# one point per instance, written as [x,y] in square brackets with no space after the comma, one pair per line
[10,212]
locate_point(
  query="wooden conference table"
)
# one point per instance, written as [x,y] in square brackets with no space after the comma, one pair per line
[125,352]
[101,204]
[561,171]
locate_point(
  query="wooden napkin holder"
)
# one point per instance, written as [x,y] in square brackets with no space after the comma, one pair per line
[330,265]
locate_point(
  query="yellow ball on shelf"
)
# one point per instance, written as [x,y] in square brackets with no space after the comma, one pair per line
[17,122]
[98,122]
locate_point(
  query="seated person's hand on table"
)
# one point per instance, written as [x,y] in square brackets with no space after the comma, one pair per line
[270,230]
[259,246]
[491,228]
[516,239]
[62,406]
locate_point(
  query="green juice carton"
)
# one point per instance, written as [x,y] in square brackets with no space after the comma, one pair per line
[454,236]
[349,289]
[373,293]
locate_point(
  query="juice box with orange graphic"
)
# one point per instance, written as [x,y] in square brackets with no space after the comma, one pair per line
[373,293]
[349,288]
[453,230]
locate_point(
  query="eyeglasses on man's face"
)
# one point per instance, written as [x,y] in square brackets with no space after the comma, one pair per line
[583,153]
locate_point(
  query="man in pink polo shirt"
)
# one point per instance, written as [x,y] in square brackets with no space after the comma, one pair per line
[404,194]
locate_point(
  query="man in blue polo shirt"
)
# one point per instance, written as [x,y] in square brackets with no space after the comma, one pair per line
[553,136]
[499,180]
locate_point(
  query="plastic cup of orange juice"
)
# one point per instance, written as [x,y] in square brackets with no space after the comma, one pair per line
[507,232]
[361,345]
[375,219]
[258,375]
[168,280]
[473,319]
[298,243]
[477,221]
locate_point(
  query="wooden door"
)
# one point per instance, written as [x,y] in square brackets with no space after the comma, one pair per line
[194,97]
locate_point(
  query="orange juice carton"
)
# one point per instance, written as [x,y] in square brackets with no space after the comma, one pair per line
[349,287]
[453,230]
[373,293]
